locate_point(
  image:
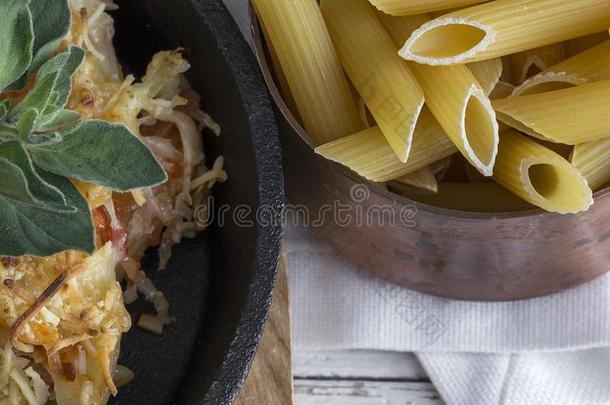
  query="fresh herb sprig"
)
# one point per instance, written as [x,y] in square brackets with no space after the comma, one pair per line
[43,144]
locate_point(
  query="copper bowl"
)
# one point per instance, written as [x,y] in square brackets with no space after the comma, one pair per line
[438,251]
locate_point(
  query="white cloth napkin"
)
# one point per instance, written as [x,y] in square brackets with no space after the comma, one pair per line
[551,350]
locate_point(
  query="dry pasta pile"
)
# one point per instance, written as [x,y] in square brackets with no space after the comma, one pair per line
[507,101]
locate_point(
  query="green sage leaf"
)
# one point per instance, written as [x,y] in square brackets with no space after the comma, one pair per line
[13,184]
[64,64]
[38,98]
[53,83]
[48,97]
[17,33]
[38,191]
[56,119]
[25,126]
[102,153]
[5,106]
[28,229]
[51,21]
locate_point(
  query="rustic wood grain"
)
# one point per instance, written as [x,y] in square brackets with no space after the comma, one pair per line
[369,365]
[361,377]
[347,377]
[270,380]
[360,392]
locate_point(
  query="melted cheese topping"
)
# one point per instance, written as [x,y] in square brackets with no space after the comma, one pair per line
[66,312]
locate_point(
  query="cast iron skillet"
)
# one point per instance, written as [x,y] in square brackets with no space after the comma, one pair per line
[219,285]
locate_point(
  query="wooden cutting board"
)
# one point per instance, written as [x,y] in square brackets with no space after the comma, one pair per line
[270,380]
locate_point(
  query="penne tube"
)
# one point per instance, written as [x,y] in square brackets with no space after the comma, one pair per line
[571,116]
[473,197]
[563,150]
[487,73]
[502,90]
[441,167]
[592,159]
[533,61]
[423,179]
[296,30]
[507,71]
[474,176]
[581,44]
[369,154]
[399,27]
[365,115]
[457,101]
[463,111]
[592,65]
[503,27]
[281,79]
[540,176]
[383,81]
[436,14]
[412,7]
[456,173]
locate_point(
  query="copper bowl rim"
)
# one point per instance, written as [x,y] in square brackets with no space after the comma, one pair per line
[259,50]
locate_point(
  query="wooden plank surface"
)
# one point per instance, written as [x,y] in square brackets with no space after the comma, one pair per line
[361,377]
[270,380]
[358,364]
[312,392]
[345,377]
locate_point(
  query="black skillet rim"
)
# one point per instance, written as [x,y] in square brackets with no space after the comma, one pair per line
[266,146]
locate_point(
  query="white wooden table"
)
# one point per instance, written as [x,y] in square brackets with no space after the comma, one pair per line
[357,377]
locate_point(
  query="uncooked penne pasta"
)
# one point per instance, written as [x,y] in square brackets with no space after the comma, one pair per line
[457,101]
[441,167]
[423,179]
[507,71]
[474,197]
[487,73]
[307,57]
[571,116]
[581,44]
[563,150]
[440,13]
[383,81]
[591,65]
[463,110]
[368,153]
[503,27]
[412,7]
[540,176]
[474,176]
[502,90]
[592,159]
[400,28]
[281,80]
[533,61]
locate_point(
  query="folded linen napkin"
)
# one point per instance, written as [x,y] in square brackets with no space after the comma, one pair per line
[549,350]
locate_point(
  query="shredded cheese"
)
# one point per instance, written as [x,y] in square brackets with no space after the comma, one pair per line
[66,313]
